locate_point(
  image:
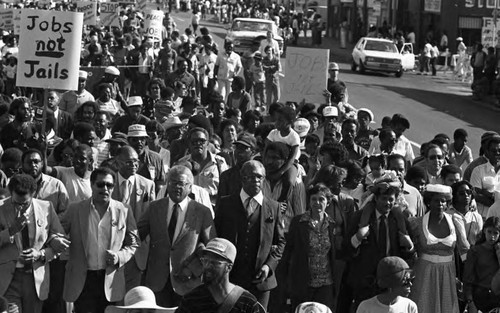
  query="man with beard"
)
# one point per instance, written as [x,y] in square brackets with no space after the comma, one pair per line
[103,236]
[17,132]
[76,178]
[173,267]
[52,190]
[136,192]
[150,162]
[217,291]
[72,100]
[251,221]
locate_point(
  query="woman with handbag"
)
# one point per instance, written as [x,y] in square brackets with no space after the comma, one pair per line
[480,268]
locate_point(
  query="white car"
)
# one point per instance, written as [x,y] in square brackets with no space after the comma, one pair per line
[382,55]
[247,32]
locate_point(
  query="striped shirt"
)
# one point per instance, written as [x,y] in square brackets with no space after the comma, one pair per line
[200,300]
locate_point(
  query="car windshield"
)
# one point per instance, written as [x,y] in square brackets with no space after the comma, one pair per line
[251,26]
[381,46]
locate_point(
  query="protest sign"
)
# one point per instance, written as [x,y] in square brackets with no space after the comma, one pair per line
[306,74]
[153,24]
[7,19]
[49,49]
[109,14]
[144,5]
[17,21]
[89,10]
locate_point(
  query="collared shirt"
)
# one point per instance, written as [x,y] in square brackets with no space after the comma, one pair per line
[229,66]
[273,43]
[131,183]
[477,180]
[251,203]
[475,163]
[102,147]
[356,152]
[208,177]
[415,201]
[296,198]
[78,188]
[71,101]
[402,147]
[473,223]
[53,190]
[98,238]
[181,215]
[461,158]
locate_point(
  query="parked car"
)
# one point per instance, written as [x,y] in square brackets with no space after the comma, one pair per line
[246,32]
[382,55]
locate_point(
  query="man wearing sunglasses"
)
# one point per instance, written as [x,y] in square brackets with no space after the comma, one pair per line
[103,238]
[27,226]
[218,294]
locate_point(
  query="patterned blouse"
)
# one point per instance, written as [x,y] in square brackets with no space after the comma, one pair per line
[319,249]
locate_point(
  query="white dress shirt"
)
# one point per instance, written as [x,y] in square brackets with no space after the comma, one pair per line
[99,238]
[181,215]
[251,203]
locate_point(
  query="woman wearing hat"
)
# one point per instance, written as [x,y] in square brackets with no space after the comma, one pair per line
[394,278]
[437,235]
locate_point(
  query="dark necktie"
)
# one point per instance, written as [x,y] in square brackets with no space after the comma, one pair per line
[173,222]
[382,235]
[25,237]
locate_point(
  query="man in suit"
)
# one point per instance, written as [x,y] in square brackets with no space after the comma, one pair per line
[63,120]
[376,231]
[27,225]
[251,222]
[103,238]
[174,267]
[136,192]
[49,189]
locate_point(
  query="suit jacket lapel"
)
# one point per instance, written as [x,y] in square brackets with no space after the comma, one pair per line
[190,215]
[84,213]
[265,231]
[113,221]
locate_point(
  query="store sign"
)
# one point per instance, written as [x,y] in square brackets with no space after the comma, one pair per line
[489,33]
[433,6]
[489,4]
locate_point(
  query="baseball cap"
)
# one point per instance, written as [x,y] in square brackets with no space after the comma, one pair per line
[134,101]
[332,66]
[221,247]
[369,112]
[330,111]
[83,74]
[301,126]
[112,70]
[391,271]
[247,139]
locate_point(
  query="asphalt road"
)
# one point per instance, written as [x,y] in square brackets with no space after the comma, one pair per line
[433,105]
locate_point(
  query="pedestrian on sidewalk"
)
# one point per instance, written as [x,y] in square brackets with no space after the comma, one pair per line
[478,62]
[434,56]
[425,58]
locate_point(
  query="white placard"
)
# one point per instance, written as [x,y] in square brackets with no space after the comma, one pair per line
[17,21]
[109,14]
[7,19]
[153,24]
[49,49]
[306,74]
[89,10]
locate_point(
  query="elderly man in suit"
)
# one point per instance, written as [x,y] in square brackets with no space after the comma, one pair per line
[174,267]
[136,192]
[378,230]
[251,221]
[27,225]
[103,238]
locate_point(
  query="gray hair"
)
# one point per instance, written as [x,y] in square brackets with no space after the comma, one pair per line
[252,164]
[180,170]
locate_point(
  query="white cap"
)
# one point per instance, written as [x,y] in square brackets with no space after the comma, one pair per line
[460,39]
[139,298]
[137,130]
[301,126]
[112,70]
[369,112]
[83,74]
[312,307]
[438,188]
[330,111]
[134,101]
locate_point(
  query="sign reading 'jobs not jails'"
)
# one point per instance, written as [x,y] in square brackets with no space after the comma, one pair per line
[306,74]
[49,49]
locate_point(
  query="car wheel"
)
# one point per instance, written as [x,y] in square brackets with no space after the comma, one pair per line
[362,69]
[353,66]
[399,74]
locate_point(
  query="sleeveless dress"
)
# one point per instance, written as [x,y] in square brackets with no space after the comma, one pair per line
[434,289]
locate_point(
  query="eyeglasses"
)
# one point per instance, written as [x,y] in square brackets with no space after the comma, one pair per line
[197,142]
[209,262]
[436,157]
[179,184]
[465,193]
[101,184]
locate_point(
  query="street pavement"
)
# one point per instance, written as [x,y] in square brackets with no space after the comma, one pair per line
[433,104]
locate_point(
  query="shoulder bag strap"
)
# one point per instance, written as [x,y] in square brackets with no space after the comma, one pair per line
[230,300]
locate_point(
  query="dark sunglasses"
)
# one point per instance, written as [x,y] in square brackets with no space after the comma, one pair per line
[101,184]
